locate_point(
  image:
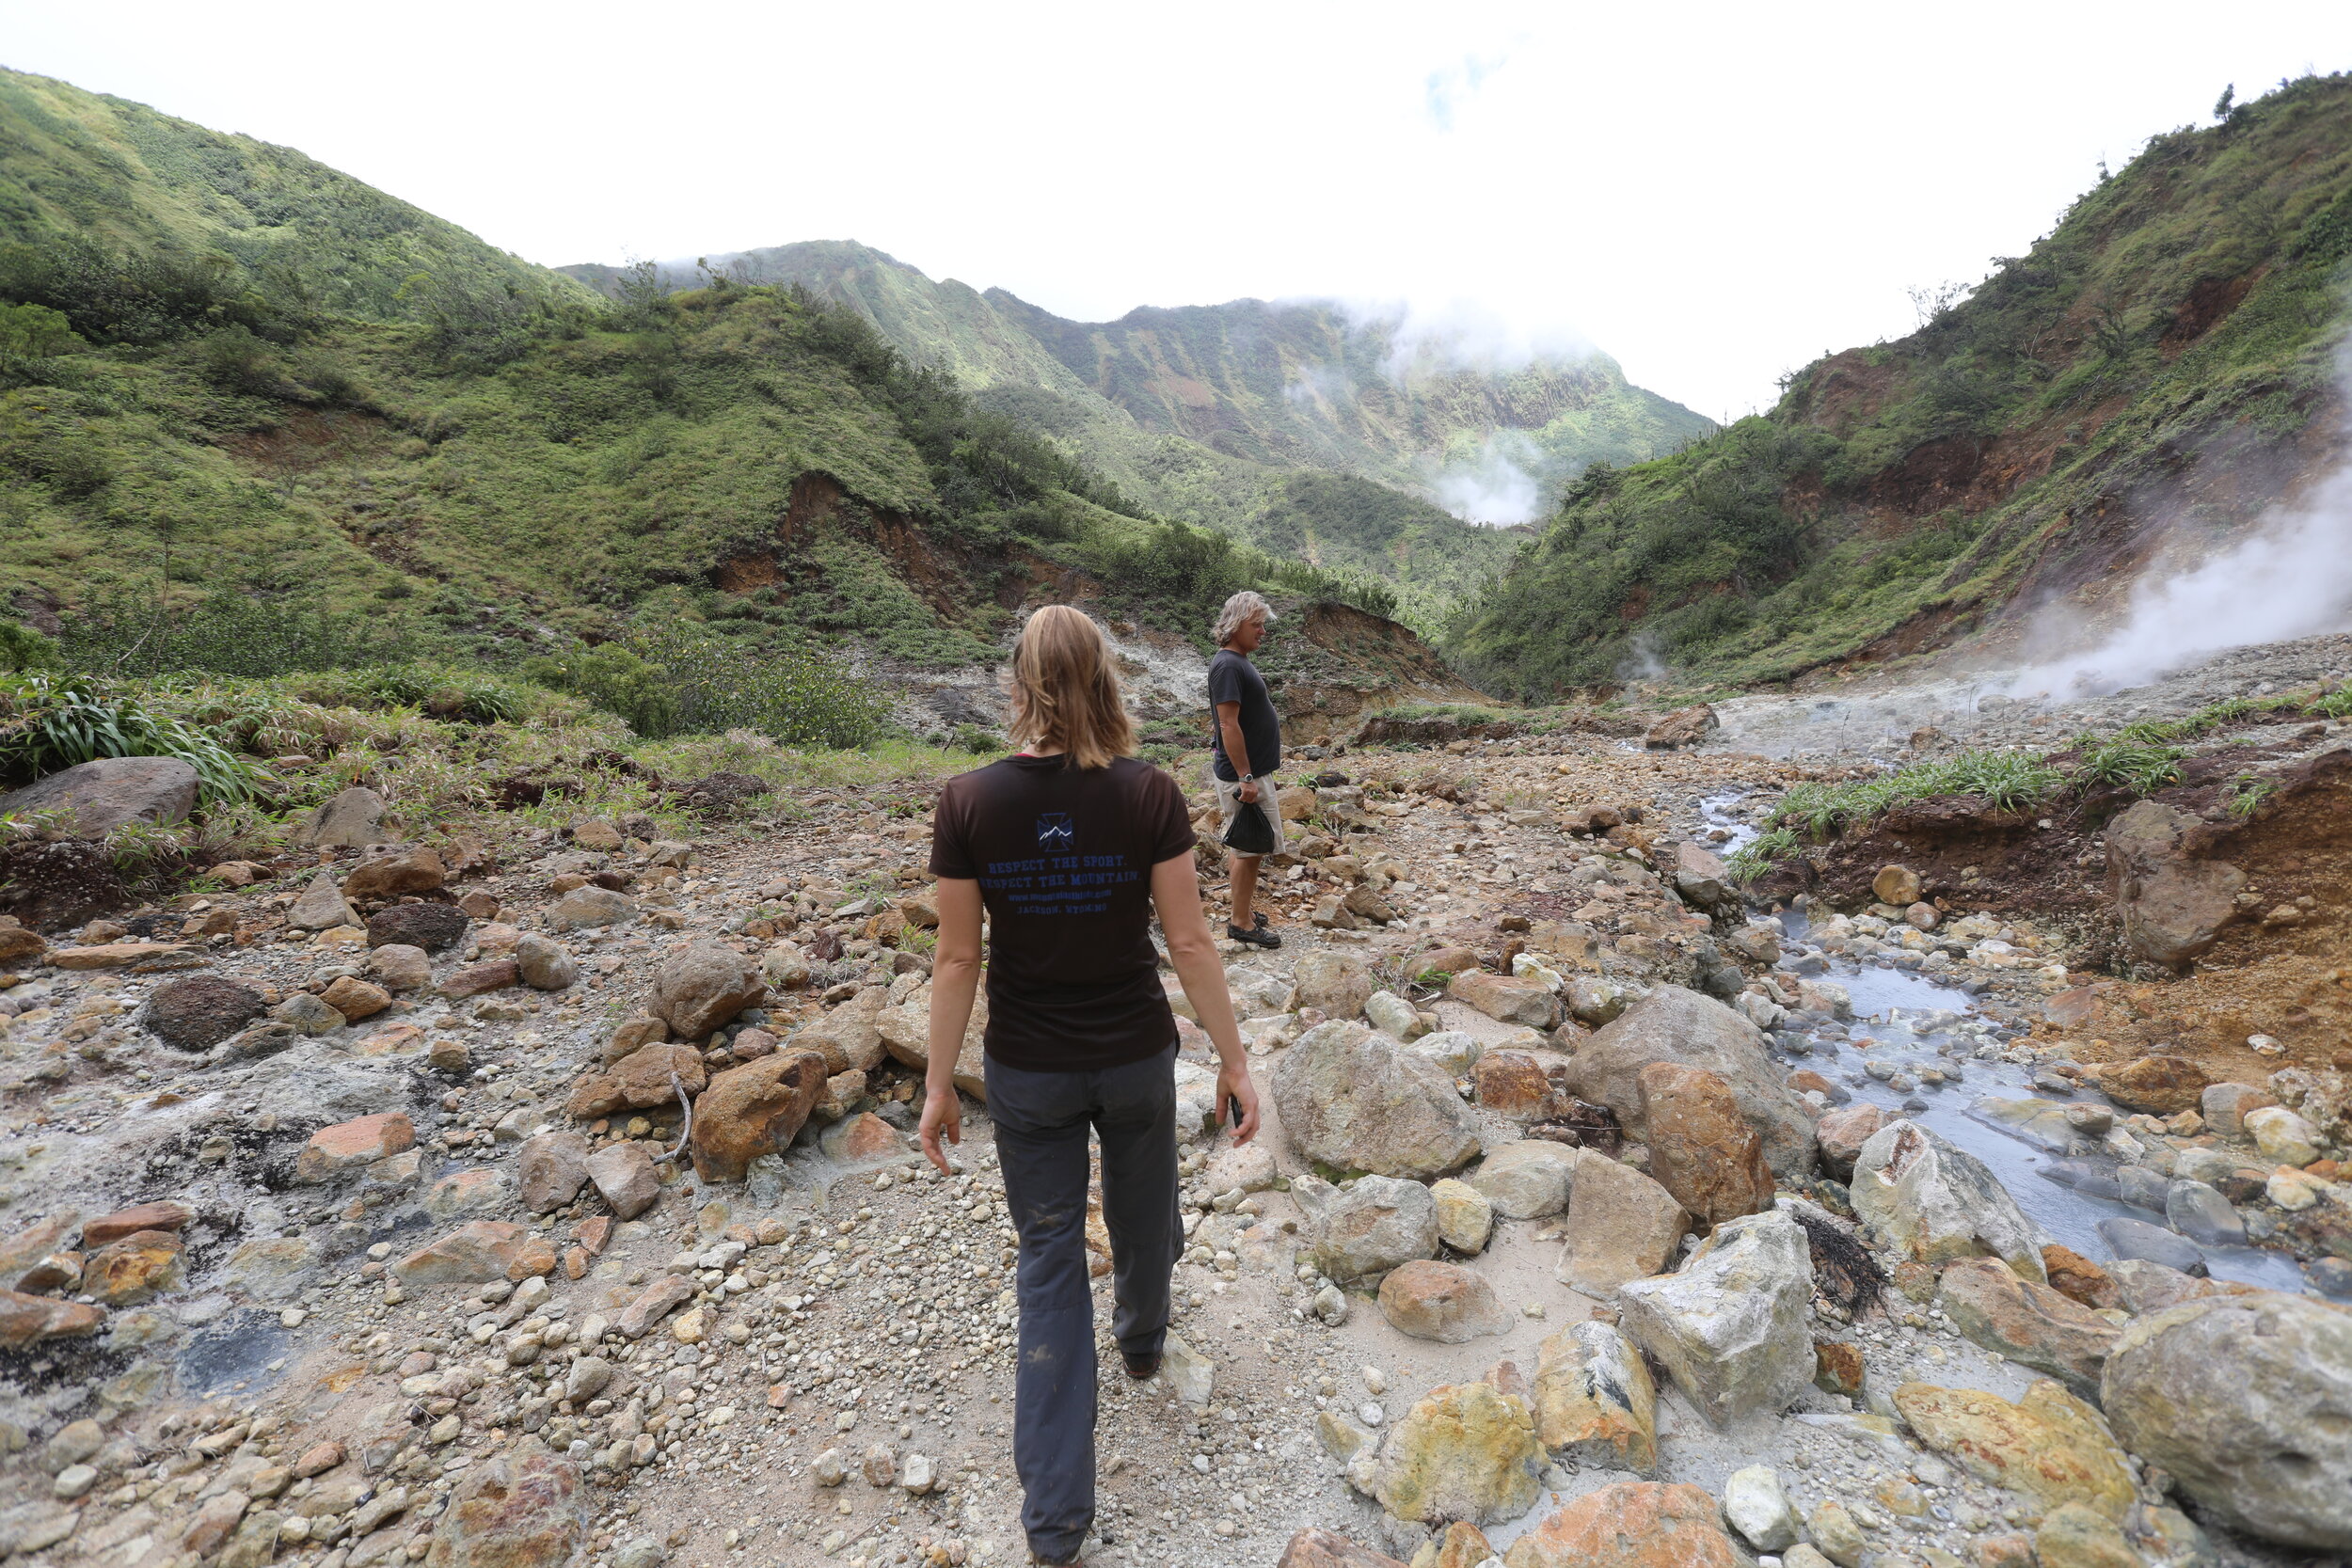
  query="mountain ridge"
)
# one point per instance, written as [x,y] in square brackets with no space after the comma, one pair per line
[1204,411]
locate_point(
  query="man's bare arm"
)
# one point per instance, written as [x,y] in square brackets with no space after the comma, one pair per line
[1237,750]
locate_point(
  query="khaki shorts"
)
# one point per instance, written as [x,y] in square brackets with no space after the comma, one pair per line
[1270,801]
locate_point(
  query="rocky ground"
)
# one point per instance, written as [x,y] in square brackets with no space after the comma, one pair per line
[348,1216]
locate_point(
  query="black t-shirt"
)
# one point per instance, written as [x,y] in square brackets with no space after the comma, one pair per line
[1063,855]
[1233,679]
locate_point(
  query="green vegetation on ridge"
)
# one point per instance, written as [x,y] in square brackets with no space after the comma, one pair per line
[729,507]
[2184,312]
[1211,413]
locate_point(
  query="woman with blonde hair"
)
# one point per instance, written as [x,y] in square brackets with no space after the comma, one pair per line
[1071,845]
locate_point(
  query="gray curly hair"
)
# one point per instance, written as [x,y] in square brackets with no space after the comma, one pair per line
[1243,608]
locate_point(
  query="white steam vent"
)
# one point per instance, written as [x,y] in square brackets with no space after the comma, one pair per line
[2289,577]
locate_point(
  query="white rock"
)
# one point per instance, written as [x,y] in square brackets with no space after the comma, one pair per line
[1731,1327]
[1756,1506]
[2283,1137]
[1939,1203]
[1192,1374]
[1452,1049]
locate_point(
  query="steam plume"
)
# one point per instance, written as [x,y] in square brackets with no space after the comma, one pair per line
[1493,487]
[2290,577]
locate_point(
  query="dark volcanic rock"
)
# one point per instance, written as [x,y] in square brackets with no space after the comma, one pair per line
[431,926]
[199,1012]
[49,886]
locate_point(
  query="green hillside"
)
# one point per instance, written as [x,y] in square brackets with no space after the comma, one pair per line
[88,175]
[2149,366]
[1205,413]
[208,464]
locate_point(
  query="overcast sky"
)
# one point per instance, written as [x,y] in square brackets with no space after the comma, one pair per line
[1713,193]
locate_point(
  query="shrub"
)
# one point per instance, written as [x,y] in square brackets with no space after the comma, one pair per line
[228,633]
[679,678]
[24,648]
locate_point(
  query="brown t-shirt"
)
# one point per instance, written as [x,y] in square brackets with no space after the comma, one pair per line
[1063,855]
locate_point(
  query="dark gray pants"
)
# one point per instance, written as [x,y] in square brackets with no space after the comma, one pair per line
[1041,1120]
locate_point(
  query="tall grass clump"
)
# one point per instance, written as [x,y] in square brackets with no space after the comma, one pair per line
[48,724]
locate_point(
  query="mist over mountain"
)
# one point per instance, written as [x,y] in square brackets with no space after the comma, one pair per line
[1204,411]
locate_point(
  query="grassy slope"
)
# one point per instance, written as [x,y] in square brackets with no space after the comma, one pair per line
[600,473]
[2172,336]
[1206,413]
[80,164]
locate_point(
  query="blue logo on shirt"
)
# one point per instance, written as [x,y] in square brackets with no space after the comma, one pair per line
[1056,830]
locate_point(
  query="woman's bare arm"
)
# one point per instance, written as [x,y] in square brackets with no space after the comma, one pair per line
[1176,895]
[955,980]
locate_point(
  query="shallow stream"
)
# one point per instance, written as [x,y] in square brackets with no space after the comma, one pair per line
[1911,1024]
[1907,1024]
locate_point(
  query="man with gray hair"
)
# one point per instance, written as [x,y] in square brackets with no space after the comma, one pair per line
[1247,747]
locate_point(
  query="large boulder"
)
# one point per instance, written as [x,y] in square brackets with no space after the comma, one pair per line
[905,1032]
[103,794]
[1528,1179]
[1525,1086]
[1622,1227]
[1684,726]
[1939,1203]
[1630,1524]
[199,1012]
[426,928]
[1364,1230]
[351,820]
[551,1167]
[1593,1400]
[1505,998]
[2247,1399]
[2034,1325]
[321,906]
[1444,1302]
[526,1508]
[2156,1085]
[1698,874]
[752,1110]
[1319,1548]
[2173,905]
[1466,1452]
[1672,1025]
[851,1035]
[1337,983]
[1702,1148]
[2049,1445]
[702,987]
[1842,1133]
[1729,1328]
[390,873]
[1352,1099]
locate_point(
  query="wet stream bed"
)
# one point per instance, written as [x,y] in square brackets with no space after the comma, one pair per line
[1925,1051]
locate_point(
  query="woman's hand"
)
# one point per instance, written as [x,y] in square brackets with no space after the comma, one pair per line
[943,1112]
[1233,1083]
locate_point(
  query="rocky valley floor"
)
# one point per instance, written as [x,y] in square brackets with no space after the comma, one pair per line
[348,1215]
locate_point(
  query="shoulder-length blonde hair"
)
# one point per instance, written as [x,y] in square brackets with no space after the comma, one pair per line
[1065,690]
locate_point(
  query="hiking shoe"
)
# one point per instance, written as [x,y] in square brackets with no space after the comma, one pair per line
[1140,1366]
[1257,936]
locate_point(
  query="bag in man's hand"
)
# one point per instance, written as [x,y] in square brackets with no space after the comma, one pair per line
[1249,833]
